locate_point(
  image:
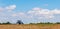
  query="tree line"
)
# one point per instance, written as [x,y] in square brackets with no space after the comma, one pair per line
[20,22]
[46,23]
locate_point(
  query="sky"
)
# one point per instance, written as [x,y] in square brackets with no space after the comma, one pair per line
[30,11]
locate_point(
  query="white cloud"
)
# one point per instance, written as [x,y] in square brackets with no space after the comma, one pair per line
[7,8]
[1,9]
[21,13]
[45,13]
[36,9]
[11,7]
[14,15]
[55,11]
[35,13]
[38,13]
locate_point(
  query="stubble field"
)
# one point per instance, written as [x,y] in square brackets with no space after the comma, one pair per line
[31,26]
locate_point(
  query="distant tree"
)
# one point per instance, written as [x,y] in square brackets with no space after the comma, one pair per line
[44,23]
[32,23]
[47,23]
[57,22]
[0,23]
[6,23]
[19,22]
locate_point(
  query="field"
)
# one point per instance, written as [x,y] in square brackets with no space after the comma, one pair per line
[31,26]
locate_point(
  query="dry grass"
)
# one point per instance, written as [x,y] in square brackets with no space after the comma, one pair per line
[36,26]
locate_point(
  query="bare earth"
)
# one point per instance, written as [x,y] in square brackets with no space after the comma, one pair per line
[54,26]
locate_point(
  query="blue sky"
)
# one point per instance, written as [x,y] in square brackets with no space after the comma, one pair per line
[29,4]
[30,11]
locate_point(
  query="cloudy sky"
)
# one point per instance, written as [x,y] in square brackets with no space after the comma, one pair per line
[30,11]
